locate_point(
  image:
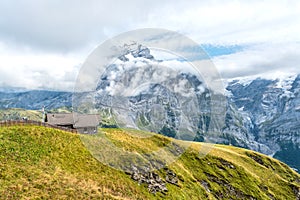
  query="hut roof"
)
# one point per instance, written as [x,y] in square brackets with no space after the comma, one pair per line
[75,119]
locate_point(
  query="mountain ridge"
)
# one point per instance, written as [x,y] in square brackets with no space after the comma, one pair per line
[257,113]
[39,162]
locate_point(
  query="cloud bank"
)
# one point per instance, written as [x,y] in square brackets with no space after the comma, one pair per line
[43,43]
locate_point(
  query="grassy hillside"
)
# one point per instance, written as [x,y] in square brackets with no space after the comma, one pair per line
[18,113]
[43,163]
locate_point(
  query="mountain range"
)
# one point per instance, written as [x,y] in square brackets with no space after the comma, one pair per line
[270,115]
[261,114]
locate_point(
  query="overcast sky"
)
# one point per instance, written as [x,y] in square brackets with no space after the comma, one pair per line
[44,43]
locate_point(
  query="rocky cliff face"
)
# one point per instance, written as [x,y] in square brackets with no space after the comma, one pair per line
[272,110]
[260,114]
[145,94]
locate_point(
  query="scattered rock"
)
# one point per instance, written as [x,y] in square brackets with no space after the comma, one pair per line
[156,187]
[230,190]
[256,158]
[271,196]
[144,175]
[135,176]
[227,164]
[205,185]
[263,187]
[296,191]
[175,149]
[171,177]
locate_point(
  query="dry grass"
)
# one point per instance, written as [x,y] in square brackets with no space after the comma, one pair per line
[14,113]
[42,163]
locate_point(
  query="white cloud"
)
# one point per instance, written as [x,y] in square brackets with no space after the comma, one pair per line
[42,43]
[232,22]
[259,59]
[37,71]
[68,25]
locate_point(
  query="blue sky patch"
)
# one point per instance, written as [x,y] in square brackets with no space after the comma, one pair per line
[218,50]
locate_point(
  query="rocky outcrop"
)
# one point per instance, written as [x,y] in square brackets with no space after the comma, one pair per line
[154,181]
[171,177]
[270,108]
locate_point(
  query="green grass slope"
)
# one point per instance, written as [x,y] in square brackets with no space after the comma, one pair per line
[43,163]
[18,113]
